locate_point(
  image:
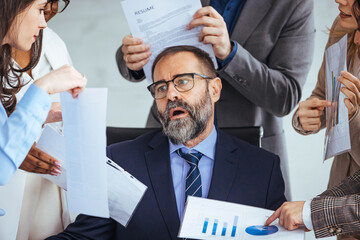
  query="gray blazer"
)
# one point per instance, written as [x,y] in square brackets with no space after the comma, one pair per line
[337,210]
[263,82]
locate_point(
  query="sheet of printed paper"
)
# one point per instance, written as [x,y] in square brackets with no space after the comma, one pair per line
[84,121]
[213,219]
[162,23]
[125,193]
[337,136]
[52,142]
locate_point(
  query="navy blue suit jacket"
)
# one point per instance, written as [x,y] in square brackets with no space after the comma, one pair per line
[242,174]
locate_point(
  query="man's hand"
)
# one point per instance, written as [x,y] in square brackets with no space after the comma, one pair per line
[54,113]
[351,90]
[38,161]
[289,214]
[214,31]
[136,54]
[310,112]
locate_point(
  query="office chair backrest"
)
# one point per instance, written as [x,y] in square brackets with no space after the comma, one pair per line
[251,135]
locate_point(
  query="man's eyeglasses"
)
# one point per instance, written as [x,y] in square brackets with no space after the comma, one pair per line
[182,83]
[57,6]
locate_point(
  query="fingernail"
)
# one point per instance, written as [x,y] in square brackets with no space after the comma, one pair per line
[58,164]
[57,171]
[138,41]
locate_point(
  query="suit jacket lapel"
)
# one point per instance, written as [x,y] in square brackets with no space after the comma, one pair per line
[158,164]
[250,16]
[224,170]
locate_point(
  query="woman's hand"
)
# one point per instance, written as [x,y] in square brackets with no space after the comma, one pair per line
[136,53]
[65,78]
[351,90]
[38,161]
[310,112]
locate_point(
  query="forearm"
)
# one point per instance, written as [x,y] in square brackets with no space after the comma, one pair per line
[275,90]
[20,130]
[88,227]
[272,78]
[335,215]
[124,70]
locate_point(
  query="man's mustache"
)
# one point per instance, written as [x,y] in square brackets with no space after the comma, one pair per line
[175,104]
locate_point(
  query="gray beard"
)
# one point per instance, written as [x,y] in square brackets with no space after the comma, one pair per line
[185,129]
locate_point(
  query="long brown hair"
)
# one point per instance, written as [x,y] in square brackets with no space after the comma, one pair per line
[10,76]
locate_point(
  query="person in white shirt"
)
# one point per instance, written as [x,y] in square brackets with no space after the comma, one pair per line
[20,123]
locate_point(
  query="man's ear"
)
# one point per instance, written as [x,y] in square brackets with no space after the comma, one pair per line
[215,87]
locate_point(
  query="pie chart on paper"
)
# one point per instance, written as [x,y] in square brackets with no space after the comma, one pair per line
[261,230]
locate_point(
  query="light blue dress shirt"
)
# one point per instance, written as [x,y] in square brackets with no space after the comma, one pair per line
[180,168]
[19,131]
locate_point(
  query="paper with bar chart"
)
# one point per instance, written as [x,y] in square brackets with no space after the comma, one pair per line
[213,219]
[337,136]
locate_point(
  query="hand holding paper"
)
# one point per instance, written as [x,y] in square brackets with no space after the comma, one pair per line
[213,219]
[136,53]
[159,24]
[38,161]
[214,31]
[351,90]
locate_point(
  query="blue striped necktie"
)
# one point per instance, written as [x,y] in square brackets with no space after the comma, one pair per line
[193,178]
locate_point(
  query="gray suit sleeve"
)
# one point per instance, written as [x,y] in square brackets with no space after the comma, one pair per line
[277,84]
[123,69]
[336,211]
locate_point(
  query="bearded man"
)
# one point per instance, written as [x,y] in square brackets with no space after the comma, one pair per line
[189,157]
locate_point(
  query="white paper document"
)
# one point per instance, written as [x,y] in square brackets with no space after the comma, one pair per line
[84,121]
[162,23]
[212,219]
[52,142]
[337,136]
[124,191]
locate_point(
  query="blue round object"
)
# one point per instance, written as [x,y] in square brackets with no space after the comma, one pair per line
[261,230]
[2,212]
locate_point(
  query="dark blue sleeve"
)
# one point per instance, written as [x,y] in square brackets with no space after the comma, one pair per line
[137,74]
[87,227]
[223,63]
[275,196]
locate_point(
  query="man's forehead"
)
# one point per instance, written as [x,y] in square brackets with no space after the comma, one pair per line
[173,64]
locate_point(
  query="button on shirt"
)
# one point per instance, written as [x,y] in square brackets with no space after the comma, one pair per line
[180,168]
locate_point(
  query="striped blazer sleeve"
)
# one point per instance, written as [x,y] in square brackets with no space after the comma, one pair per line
[336,211]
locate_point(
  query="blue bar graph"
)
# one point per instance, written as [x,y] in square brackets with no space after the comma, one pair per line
[206,222]
[236,218]
[223,233]
[215,227]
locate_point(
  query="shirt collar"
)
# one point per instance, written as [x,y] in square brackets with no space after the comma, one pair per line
[206,147]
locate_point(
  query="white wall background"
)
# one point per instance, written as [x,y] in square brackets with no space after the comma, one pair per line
[93,32]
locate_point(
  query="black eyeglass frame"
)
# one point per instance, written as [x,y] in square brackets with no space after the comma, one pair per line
[53,1]
[173,81]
